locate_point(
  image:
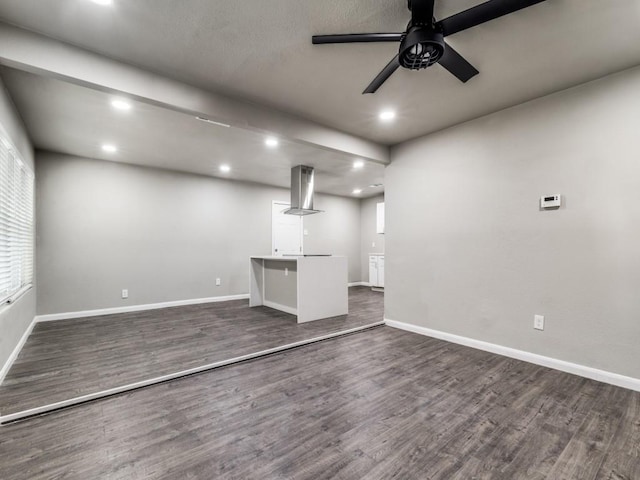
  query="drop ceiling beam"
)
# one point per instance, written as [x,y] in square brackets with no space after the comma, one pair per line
[34,53]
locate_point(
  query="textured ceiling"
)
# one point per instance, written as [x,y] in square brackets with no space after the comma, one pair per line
[261,50]
[67,118]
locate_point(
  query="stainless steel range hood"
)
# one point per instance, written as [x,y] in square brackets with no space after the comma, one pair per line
[302,178]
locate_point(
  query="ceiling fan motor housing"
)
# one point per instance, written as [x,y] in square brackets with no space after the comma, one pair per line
[421,47]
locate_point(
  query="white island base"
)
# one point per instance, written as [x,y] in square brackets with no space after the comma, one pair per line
[311,287]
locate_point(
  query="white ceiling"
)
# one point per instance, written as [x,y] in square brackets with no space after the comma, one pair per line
[67,118]
[261,50]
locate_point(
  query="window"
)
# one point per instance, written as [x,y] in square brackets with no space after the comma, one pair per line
[16,222]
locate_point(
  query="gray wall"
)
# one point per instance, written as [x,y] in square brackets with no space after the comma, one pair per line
[15,319]
[368,234]
[474,256]
[104,226]
[335,231]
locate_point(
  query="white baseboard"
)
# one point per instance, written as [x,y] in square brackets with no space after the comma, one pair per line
[153,306]
[16,351]
[277,306]
[136,308]
[568,367]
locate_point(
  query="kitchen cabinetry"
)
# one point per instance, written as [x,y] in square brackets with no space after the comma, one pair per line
[376,270]
[380,217]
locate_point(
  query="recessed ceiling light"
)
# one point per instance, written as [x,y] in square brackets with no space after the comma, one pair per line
[358,164]
[387,115]
[271,142]
[357,191]
[120,104]
[103,2]
[109,148]
[225,168]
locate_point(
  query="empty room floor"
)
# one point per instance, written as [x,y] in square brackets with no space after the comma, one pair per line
[378,404]
[70,358]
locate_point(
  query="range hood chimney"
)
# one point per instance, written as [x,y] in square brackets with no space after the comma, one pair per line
[302,178]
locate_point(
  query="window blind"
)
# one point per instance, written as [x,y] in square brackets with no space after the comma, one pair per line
[16,222]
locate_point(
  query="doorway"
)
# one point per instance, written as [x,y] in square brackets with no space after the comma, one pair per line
[286,231]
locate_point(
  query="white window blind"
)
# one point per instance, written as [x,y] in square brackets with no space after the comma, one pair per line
[16,222]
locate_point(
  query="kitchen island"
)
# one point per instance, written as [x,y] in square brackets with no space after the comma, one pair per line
[311,287]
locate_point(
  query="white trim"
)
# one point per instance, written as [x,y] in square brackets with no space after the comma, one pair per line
[136,308]
[133,386]
[359,284]
[277,306]
[16,351]
[564,366]
[17,295]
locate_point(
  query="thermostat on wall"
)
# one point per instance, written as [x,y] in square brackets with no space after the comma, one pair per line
[550,201]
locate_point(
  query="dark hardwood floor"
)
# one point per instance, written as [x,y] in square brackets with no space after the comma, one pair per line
[379,404]
[70,358]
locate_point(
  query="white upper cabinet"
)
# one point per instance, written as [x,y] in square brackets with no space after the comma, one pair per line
[380,218]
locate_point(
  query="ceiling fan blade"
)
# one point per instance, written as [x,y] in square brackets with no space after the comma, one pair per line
[422,12]
[382,77]
[482,13]
[357,37]
[457,65]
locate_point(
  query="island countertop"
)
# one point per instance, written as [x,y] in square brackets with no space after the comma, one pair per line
[311,287]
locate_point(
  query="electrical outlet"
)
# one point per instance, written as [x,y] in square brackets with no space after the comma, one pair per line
[373,244]
[538,322]
[218,282]
[125,293]
[305,232]
[286,271]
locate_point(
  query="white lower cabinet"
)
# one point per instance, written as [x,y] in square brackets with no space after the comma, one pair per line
[376,270]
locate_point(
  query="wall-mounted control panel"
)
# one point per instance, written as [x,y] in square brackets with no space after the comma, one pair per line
[550,201]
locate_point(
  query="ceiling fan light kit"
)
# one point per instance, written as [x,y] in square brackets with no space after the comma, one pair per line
[422,44]
[420,48]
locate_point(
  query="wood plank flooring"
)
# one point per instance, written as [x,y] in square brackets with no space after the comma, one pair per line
[381,404]
[69,358]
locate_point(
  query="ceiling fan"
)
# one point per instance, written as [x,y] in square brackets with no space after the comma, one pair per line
[422,44]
